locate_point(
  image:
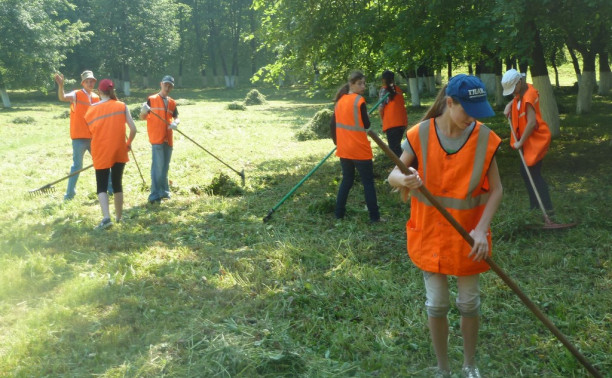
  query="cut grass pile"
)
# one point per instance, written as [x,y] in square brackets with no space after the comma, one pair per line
[200,286]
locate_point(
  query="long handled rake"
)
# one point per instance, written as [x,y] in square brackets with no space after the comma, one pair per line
[144,183]
[548,223]
[241,173]
[269,215]
[49,187]
[538,313]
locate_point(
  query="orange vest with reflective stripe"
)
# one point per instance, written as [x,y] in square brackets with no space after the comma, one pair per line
[106,121]
[536,146]
[459,182]
[78,108]
[351,139]
[156,128]
[394,113]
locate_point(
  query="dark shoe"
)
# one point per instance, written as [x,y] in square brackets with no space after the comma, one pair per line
[106,223]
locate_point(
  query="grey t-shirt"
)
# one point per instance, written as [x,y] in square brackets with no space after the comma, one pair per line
[450,145]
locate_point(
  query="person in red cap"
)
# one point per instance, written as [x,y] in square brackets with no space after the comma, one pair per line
[162,118]
[109,150]
[80,101]
[453,155]
[532,132]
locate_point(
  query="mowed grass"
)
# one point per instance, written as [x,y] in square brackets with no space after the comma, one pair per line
[200,286]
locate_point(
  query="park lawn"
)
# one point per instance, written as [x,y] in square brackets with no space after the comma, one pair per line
[200,286]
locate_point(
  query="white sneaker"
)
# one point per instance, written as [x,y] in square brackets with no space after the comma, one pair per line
[106,223]
[471,372]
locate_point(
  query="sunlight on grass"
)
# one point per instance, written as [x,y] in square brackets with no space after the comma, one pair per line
[200,286]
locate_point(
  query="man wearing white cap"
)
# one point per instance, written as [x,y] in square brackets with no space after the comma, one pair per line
[80,100]
[531,130]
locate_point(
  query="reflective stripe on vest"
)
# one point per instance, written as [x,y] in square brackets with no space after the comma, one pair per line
[356,126]
[469,201]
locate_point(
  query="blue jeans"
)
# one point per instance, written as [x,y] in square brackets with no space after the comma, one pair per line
[394,139]
[541,186]
[366,172]
[160,163]
[79,146]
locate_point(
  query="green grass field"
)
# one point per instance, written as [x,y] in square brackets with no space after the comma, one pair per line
[201,287]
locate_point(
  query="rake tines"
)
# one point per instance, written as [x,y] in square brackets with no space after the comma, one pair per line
[49,187]
[42,190]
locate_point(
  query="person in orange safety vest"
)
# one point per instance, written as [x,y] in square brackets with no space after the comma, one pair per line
[159,127]
[80,100]
[393,112]
[531,130]
[453,155]
[109,149]
[348,126]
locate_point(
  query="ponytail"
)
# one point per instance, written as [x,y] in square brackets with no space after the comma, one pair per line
[389,78]
[110,92]
[438,106]
[341,92]
[352,79]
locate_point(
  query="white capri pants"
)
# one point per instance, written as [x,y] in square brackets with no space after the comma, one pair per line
[438,298]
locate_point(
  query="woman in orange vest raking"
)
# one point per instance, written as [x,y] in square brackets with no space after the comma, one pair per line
[532,131]
[109,149]
[454,157]
[393,112]
[348,129]
[80,101]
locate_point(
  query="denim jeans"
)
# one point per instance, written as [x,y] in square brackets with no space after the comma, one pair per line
[541,186]
[160,163]
[366,172]
[79,146]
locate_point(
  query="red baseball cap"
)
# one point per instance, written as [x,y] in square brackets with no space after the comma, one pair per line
[105,85]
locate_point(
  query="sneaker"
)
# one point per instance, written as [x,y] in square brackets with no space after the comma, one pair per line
[470,372]
[439,373]
[106,223]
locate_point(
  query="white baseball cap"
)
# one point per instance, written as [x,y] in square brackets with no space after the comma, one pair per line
[509,81]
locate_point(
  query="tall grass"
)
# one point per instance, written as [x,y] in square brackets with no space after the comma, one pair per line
[200,286]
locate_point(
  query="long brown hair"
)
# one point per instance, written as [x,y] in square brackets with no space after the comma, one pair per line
[439,105]
[110,92]
[389,78]
[352,79]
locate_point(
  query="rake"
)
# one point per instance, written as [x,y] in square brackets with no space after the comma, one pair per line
[548,223]
[49,187]
[499,271]
[272,210]
[241,173]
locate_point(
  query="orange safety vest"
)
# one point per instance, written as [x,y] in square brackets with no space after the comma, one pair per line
[106,121]
[351,138]
[536,146]
[394,113]
[156,128]
[78,108]
[459,182]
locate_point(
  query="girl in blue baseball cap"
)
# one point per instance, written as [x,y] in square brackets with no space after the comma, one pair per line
[453,155]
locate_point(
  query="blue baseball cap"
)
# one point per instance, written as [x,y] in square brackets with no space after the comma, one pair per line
[472,95]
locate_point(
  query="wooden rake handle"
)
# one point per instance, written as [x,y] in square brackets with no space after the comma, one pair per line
[499,271]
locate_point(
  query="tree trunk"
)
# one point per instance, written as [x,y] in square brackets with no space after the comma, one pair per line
[126,79]
[414,89]
[204,78]
[541,81]
[5,98]
[575,63]
[499,90]
[145,80]
[586,85]
[449,68]
[605,76]
[438,79]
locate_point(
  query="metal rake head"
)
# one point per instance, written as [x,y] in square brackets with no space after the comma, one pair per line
[42,190]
